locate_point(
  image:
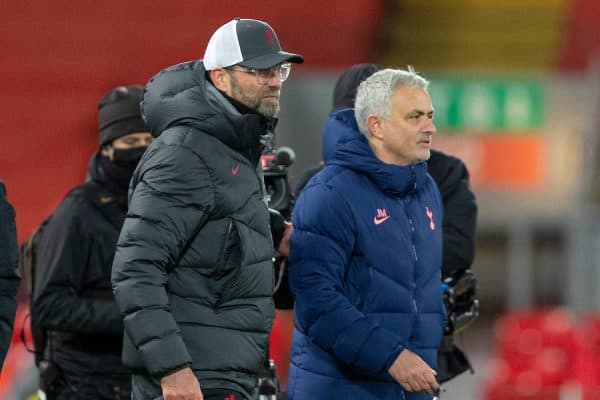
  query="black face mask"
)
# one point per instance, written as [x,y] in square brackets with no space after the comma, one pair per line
[128,158]
[118,172]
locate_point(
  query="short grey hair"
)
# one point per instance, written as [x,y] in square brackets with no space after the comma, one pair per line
[374,94]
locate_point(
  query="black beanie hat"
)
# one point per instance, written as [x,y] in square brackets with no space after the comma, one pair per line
[119,113]
[344,92]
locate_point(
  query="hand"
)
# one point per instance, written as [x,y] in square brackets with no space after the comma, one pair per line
[412,373]
[181,385]
[284,245]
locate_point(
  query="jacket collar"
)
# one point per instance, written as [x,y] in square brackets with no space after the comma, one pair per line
[344,145]
[182,96]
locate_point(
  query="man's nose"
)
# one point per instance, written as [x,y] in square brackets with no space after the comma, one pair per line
[274,82]
[430,127]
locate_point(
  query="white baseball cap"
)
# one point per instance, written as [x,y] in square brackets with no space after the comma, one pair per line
[247,42]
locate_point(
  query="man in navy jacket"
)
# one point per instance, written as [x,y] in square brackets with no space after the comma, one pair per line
[367,250]
[460,212]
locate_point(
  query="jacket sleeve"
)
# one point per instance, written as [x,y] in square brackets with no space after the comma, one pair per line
[321,249]
[9,278]
[460,211]
[172,197]
[277,223]
[460,216]
[62,254]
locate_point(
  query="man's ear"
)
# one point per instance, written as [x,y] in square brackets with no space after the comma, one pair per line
[220,79]
[374,125]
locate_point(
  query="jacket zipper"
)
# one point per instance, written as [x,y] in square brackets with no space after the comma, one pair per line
[413,250]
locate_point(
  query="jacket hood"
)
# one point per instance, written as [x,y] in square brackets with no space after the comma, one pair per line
[181,95]
[344,145]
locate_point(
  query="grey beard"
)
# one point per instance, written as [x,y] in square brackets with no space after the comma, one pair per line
[268,110]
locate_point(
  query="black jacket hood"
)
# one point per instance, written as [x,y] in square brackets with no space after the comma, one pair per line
[181,95]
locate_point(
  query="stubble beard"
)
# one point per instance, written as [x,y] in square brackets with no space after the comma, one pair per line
[268,108]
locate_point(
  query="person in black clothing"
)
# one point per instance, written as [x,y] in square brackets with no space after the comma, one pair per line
[9,278]
[460,209]
[193,272]
[72,299]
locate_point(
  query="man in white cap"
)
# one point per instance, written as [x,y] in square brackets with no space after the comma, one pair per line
[193,273]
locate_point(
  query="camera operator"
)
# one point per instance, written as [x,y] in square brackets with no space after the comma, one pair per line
[460,215]
[73,310]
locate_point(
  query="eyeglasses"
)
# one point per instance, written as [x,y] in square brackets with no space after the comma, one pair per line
[264,75]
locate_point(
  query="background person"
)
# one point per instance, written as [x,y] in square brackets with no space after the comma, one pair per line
[9,278]
[73,306]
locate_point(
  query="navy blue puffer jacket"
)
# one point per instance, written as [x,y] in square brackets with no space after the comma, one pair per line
[366,255]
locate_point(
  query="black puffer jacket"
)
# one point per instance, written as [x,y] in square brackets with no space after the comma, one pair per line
[72,297]
[200,181]
[9,279]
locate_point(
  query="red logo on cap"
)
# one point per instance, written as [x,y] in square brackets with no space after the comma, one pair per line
[269,36]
